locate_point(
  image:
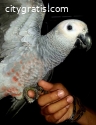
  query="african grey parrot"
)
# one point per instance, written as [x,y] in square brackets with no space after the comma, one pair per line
[27,56]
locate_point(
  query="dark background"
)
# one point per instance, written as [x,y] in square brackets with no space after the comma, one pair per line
[77,72]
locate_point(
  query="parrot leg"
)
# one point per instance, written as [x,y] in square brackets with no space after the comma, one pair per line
[37,89]
[37,92]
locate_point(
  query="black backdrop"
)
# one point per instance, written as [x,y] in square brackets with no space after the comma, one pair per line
[77,72]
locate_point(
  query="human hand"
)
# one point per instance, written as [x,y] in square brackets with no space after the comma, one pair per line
[57,104]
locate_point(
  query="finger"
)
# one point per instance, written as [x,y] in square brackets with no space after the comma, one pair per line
[52,87]
[54,118]
[45,85]
[67,114]
[50,97]
[55,107]
[60,86]
[31,93]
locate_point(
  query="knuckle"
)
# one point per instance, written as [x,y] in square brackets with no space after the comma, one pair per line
[64,102]
[49,110]
[50,119]
[47,118]
[55,117]
[65,111]
[54,96]
[46,110]
[51,96]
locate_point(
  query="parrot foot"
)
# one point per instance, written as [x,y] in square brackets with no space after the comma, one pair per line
[37,92]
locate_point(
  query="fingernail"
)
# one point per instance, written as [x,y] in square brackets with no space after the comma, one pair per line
[31,93]
[60,93]
[69,99]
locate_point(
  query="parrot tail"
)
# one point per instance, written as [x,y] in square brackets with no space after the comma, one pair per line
[15,108]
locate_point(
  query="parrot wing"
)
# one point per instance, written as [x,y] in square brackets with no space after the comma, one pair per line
[19,32]
[17,27]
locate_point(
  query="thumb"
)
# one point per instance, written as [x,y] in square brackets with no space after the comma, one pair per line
[45,85]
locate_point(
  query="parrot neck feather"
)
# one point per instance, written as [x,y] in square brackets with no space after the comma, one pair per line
[51,50]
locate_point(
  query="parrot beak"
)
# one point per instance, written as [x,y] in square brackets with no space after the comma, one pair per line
[83,41]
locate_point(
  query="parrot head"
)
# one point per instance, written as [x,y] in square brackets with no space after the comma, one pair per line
[75,32]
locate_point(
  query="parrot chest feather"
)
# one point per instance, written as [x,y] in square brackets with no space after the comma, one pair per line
[25,72]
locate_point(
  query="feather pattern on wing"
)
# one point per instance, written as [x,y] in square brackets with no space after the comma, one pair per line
[16,30]
[18,36]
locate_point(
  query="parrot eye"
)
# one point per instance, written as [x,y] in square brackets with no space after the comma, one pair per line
[69,27]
